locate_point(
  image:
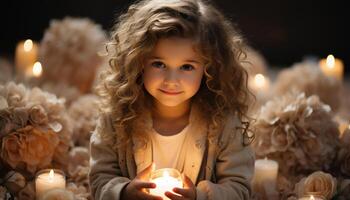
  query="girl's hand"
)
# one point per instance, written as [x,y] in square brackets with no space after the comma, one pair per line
[136,189]
[186,193]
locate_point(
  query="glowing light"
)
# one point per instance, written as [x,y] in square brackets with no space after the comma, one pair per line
[260,80]
[37,69]
[330,62]
[28,45]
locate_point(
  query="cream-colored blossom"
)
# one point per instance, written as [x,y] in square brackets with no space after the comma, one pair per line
[29,146]
[318,184]
[298,132]
[308,78]
[69,51]
[84,113]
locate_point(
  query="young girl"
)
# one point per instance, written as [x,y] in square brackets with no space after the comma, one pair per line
[175,96]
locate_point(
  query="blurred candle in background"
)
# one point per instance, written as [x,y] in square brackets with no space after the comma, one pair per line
[265,178]
[332,67]
[25,56]
[37,69]
[260,83]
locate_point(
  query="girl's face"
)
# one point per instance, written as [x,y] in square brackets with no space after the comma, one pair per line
[173,71]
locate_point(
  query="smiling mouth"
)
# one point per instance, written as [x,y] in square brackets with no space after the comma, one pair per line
[169,92]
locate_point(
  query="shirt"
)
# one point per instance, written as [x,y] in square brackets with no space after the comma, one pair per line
[166,149]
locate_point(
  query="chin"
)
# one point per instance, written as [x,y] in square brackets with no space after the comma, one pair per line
[170,103]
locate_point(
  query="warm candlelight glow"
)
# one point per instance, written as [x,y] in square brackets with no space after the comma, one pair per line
[332,67]
[259,84]
[47,180]
[37,69]
[165,179]
[166,174]
[330,62]
[311,197]
[25,56]
[28,45]
[259,80]
[51,175]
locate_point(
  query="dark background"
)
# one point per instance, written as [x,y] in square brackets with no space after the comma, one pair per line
[284,31]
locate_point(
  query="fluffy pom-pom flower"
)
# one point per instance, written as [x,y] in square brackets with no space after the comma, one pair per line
[84,113]
[308,78]
[298,132]
[69,52]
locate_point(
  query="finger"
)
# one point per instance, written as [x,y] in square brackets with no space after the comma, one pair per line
[144,184]
[183,192]
[144,174]
[187,181]
[173,196]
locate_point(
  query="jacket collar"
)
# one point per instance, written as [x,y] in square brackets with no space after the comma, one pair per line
[194,143]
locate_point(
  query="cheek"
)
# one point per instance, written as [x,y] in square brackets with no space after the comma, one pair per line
[194,82]
[150,78]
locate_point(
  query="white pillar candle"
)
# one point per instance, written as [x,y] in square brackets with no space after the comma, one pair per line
[332,67]
[265,177]
[49,179]
[25,56]
[165,179]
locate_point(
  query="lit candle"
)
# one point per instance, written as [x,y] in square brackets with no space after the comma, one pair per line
[260,83]
[332,67]
[25,57]
[311,197]
[165,179]
[37,69]
[49,179]
[265,175]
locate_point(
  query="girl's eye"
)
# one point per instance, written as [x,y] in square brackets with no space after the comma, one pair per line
[187,67]
[158,64]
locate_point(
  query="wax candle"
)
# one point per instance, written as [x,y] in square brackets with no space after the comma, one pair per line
[265,175]
[25,56]
[165,179]
[49,179]
[332,67]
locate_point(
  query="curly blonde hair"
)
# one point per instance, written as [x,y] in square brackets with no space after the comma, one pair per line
[224,84]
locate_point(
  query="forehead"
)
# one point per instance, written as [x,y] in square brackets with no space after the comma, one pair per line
[175,46]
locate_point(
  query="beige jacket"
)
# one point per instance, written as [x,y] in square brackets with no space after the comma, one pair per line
[220,167]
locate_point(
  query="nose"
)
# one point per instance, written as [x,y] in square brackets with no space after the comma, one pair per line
[171,77]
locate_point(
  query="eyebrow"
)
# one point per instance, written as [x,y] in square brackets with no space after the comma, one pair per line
[187,60]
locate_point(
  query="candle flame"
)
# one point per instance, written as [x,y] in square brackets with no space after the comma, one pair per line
[259,80]
[37,69]
[312,197]
[330,62]
[51,174]
[28,45]
[166,174]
